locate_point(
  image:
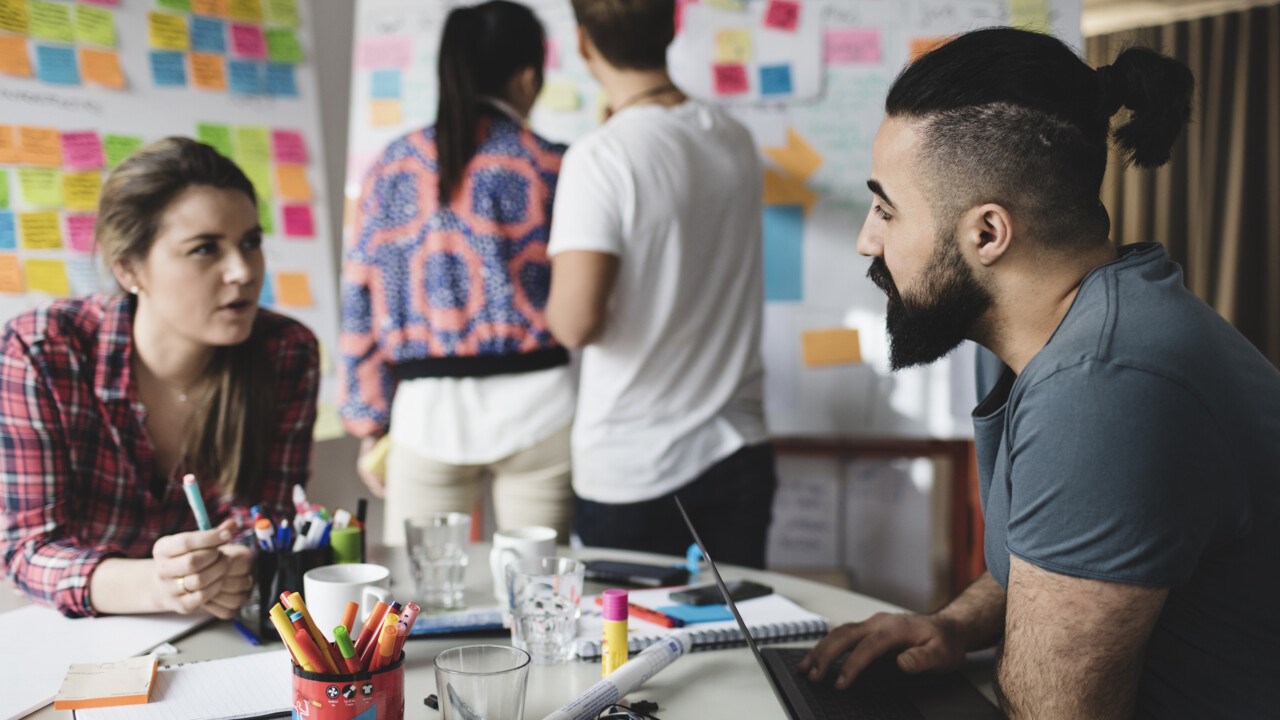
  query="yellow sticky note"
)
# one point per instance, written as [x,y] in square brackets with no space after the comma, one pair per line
[733,5]
[253,144]
[41,187]
[291,180]
[208,71]
[8,149]
[14,59]
[211,8]
[81,189]
[39,146]
[923,45]
[832,346]
[797,157]
[248,10]
[168,32]
[293,289]
[48,276]
[10,275]
[385,113]
[95,25]
[13,16]
[1029,14]
[733,45]
[260,175]
[560,96]
[101,67]
[49,21]
[40,230]
[786,189]
[328,425]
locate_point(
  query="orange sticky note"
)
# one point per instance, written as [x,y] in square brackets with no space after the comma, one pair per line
[10,275]
[923,45]
[40,230]
[14,59]
[80,190]
[832,346]
[293,289]
[39,146]
[208,71]
[8,150]
[101,67]
[292,182]
[385,113]
[48,276]
[212,8]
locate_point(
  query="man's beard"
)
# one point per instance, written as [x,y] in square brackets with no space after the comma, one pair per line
[931,323]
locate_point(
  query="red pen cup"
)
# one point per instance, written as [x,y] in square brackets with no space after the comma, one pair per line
[375,695]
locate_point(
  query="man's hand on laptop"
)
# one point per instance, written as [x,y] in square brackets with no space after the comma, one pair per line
[922,643]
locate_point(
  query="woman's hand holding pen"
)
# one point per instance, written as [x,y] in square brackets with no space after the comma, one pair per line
[192,569]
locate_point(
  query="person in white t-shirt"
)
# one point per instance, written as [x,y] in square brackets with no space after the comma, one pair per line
[656,275]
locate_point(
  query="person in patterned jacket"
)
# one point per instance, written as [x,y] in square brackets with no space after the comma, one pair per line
[445,280]
[107,401]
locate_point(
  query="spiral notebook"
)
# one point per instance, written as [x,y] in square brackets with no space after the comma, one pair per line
[771,619]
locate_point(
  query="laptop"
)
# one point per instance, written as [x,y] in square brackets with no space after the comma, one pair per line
[881,692]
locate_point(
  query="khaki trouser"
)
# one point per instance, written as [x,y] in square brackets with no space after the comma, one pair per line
[531,487]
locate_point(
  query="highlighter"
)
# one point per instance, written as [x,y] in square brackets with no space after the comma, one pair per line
[346,649]
[613,646]
[192,489]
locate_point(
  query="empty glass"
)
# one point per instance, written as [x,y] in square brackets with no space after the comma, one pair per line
[437,545]
[482,682]
[543,595]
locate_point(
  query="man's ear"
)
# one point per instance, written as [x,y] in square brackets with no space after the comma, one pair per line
[987,231]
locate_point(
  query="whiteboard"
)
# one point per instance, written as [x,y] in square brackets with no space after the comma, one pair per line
[148,111]
[841,56]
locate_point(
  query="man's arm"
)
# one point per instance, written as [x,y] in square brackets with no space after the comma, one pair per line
[581,284]
[1073,646]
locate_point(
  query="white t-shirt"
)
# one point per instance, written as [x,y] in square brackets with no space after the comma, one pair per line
[674,383]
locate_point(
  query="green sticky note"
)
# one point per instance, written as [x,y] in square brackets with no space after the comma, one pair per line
[95,26]
[119,147]
[265,218]
[259,173]
[283,12]
[283,46]
[253,145]
[4,189]
[41,187]
[179,5]
[50,21]
[219,136]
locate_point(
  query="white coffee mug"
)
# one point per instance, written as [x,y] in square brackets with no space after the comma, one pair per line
[517,544]
[328,589]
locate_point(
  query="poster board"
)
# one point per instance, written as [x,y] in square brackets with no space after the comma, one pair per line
[84,83]
[808,78]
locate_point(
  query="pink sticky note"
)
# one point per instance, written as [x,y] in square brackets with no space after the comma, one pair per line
[782,14]
[388,51]
[82,151]
[853,46]
[297,221]
[731,79]
[247,41]
[287,146]
[552,60]
[80,232]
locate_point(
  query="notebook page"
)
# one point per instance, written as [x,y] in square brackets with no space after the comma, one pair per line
[248,686]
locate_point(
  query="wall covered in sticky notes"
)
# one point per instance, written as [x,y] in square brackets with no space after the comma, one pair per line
[808,79]
[85,84]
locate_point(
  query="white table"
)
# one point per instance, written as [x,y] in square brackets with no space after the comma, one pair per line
[704,685]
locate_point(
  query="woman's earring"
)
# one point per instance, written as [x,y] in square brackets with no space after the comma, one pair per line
[133,289]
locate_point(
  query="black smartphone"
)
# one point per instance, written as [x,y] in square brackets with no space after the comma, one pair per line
[627,573]
[739,590]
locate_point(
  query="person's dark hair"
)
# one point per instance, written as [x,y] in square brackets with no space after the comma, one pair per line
[1016,117]
[232,423]
[482,47]
[630,34]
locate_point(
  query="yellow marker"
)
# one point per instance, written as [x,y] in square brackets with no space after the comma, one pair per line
[285,629]
[297,605]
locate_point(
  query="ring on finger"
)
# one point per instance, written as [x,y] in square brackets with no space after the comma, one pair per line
[182,585]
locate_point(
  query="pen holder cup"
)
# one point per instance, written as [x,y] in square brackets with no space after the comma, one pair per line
[377,695]
[273,574]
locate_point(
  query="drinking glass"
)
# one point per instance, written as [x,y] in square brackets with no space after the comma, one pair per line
[437,545]
[543,595]
[482,682]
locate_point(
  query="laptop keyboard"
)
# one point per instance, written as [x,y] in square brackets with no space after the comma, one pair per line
[866,700]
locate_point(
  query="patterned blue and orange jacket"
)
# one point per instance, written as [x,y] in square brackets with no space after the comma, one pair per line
[456,290]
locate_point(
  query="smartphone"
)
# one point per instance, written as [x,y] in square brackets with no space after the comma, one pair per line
[739,590]
[627,573]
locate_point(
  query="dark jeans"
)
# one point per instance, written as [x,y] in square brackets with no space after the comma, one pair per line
[730,504]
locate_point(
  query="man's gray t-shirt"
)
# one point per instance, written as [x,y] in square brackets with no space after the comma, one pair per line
[1141,445]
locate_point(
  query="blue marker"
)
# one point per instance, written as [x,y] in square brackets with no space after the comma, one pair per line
[196,502]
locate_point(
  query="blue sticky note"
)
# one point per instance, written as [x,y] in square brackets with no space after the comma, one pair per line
[775,80]
[246,77]
[691,614]
[783,253]
[281,81]
[8,236]
[168,69]
[267,297]
[57,65]
[208,35]
[386,84]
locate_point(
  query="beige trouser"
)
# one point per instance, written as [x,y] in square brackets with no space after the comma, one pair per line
[531,487]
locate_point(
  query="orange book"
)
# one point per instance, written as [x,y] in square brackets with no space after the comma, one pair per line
[92,685]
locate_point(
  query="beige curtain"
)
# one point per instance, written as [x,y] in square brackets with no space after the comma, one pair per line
[1216,206]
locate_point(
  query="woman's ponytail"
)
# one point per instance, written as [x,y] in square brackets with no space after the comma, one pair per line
[458,108]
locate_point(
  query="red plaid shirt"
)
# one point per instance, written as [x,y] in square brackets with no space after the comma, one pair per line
[76,461]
